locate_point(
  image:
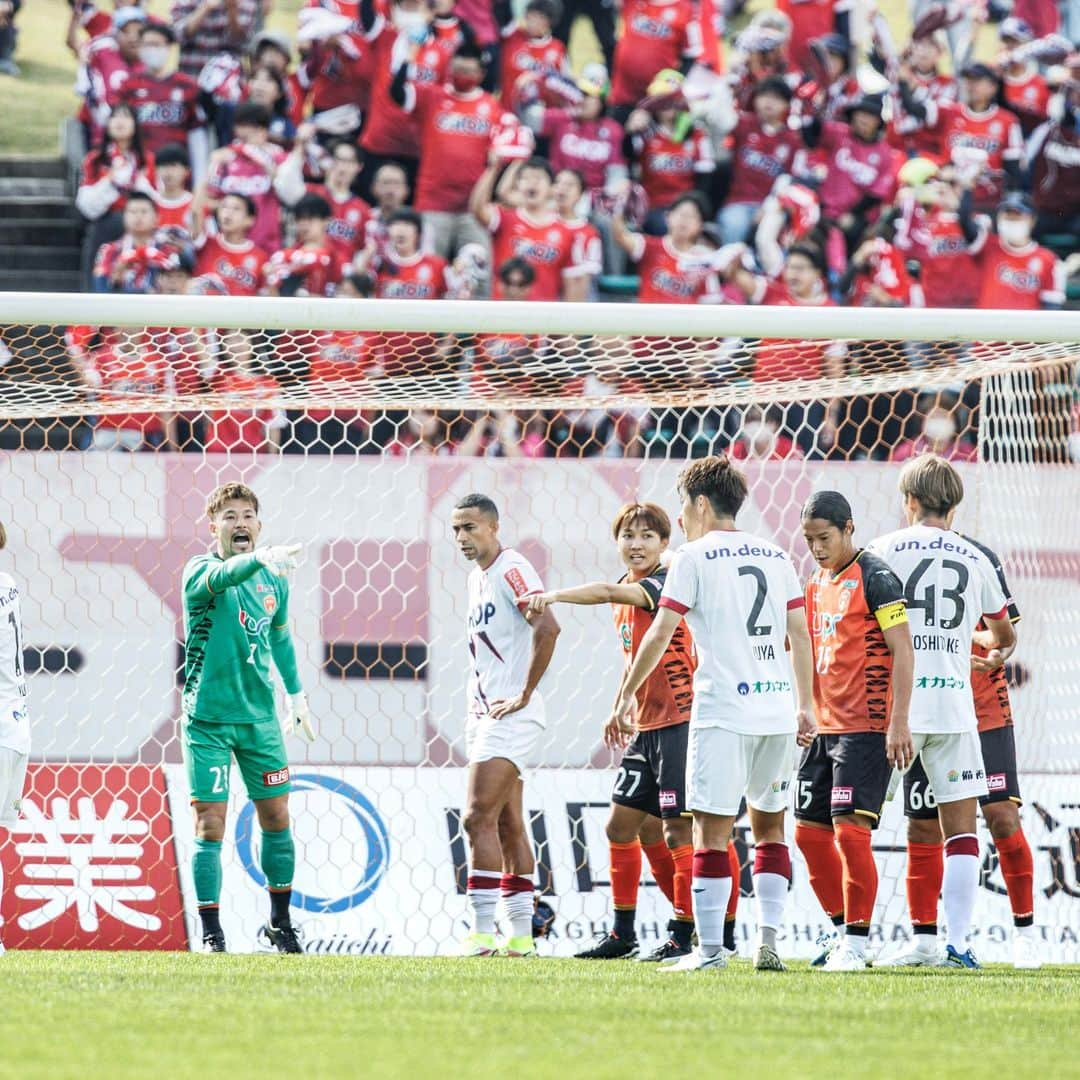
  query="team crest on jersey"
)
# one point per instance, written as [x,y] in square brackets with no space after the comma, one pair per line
[424,273]
[178,94]
[626,637]
[516,582]
[254,626]
[270,604]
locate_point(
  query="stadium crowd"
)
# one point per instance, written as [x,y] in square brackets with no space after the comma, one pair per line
[448,149]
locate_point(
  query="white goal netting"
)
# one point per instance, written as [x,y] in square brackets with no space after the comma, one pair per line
[359,424]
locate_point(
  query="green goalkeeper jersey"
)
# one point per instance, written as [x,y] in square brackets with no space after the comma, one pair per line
[233,611]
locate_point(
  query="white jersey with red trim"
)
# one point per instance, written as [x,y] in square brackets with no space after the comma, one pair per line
[500,637]
[949,584]
[735,590]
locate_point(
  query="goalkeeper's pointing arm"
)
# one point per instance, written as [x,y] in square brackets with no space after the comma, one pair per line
[235,570]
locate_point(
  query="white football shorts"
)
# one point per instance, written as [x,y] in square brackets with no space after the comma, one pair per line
[512,737]
[12,781]
[953,764]
[722,766]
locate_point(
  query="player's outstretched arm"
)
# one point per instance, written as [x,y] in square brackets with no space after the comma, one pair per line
[899,748]
[1001,642]
[546,632]
[802,661]
[206,579]
[595,592]
[651,649]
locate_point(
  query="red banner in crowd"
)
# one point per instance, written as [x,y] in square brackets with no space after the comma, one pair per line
[91,864]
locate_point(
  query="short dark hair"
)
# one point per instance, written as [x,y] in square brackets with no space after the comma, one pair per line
[517,265]
[364,284]
[247,200]
[140,196]
[811,252]
[470,50]
[548,8]
[172,154]
[774,85]
[648,514]
[405,216]
[337,144]
[249,114]
[313,206]
[576,174]
[155,27]
[539,163]
[476,501]
[718,480]
[698,201]
[828,506]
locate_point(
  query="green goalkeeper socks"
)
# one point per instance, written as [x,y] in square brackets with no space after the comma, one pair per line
[206,869]
[278,858]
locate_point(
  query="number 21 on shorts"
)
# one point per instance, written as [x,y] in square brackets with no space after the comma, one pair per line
[220,777]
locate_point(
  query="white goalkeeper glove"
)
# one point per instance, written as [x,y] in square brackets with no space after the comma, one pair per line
[298,719]
[279,560]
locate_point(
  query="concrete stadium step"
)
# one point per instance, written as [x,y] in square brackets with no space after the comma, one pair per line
[39,257]
[31,185]
[27,166]
[44,231]
[40,281]
[38,206]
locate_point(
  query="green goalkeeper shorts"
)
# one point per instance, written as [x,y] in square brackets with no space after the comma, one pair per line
[259,750]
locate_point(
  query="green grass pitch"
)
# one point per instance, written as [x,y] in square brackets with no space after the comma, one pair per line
[172,1015]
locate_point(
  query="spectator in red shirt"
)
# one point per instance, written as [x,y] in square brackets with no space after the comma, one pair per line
[929,87]
[656,35]
[674,156]
[1026,92]
[877,276]
[166,103]
[227,259]
[860,174]
[248,166]
[1016,272]
[930,229]
[588,256]
[580,136]
[1053,166]
[403,270]
[812,19]
[979,135]
[673,268]
[311,266]
[270,89]
[127,365]
[763,148]
[528,49]
[457,120]
[110,61]
[761,436]
[129,264]
[257,429]
[173,192]
[389,194]
[530,231]
[938,433]
[347,231]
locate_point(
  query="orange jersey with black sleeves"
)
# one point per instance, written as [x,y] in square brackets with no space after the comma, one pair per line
[665,698]
[991,691]
[848,613]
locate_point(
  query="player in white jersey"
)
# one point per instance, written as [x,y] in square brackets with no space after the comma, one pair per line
[510,651]
[741,599]
[14,719]
[949,584]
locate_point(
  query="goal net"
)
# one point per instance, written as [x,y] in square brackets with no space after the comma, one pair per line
[359,424]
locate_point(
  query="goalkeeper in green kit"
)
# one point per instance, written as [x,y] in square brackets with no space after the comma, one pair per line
[236,619]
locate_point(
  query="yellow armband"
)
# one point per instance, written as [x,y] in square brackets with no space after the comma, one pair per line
[891,615]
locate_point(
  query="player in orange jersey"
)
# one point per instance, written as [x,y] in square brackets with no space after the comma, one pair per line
[648,803]
[863,668]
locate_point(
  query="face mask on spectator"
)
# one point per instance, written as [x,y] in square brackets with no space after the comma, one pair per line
[405,21]
[939,429]
[155,57]
[1016,233]
[463,82]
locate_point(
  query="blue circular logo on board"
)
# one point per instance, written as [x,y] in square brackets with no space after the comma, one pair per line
[744,688]
[372,868]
